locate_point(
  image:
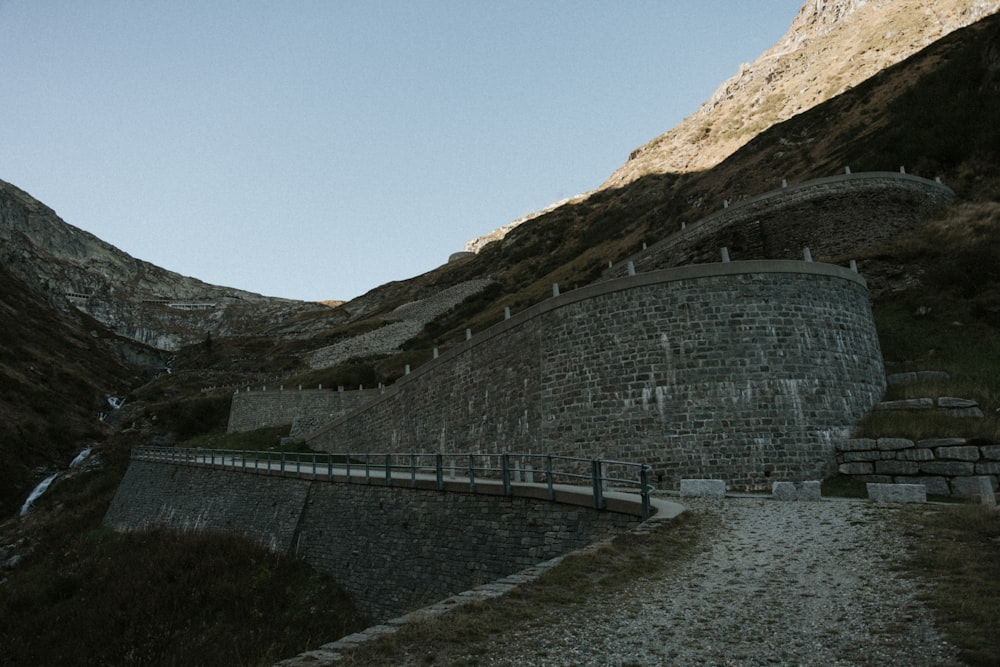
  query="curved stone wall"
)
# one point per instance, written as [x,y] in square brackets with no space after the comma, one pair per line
[744,371]
[828,215]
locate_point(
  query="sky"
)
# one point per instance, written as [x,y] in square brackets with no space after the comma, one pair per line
[317,149]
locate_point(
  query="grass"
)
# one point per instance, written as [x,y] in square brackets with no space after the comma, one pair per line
[161,598]
[467,633]
[262,439]
[948,324]
[85,595]
[958,562]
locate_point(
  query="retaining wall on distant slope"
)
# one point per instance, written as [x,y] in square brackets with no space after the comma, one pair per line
[827,215]
[744,371]
[253,409]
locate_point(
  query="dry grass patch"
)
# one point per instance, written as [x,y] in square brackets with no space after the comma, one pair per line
[463,635]
[958,561]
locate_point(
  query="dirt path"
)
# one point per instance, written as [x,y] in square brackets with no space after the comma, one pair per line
[784,583]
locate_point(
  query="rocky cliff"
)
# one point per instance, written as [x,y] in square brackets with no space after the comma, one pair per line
[75,270]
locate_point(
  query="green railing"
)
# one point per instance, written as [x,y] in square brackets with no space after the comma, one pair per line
[402,469]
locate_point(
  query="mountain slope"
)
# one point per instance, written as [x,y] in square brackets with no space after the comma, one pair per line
[830,47]
[56,371]
[934,114]
[73,269]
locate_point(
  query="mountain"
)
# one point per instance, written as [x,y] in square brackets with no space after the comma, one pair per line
[830,47]
[74,270]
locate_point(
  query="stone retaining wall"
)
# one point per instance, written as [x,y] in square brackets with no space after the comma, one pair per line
[826,215]
[259,409]
[946,466]
[744,371]
[394,549]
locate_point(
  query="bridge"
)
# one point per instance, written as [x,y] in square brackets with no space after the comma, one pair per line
[396,530]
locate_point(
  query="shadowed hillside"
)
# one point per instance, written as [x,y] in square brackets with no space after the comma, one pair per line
[938,305]
[56,372]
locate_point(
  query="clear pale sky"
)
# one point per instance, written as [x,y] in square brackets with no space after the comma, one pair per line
[317,149]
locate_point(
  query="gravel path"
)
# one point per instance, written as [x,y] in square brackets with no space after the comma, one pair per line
[784,583]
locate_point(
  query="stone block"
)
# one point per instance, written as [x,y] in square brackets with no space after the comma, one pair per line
[917,454]
[878,479]
[960,453]
[900,378]
[858,468]
[978,488]
[894,443]
[868,455]
[895,467]
[948,468]
[932,443]
[707,488]
[937,486]
[991,452]
[988,468]
[951,403]
[897,493]
[856,445]
[967,413]
[796,490]
[907,404]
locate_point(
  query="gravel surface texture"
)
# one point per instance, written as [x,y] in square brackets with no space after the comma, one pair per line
[782,583]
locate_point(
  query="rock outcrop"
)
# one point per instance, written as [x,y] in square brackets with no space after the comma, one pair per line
[73,269]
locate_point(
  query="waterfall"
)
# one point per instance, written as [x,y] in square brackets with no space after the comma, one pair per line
[44,484]
[38,490]
[80,458]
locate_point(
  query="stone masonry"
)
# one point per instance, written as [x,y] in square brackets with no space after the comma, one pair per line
[823,214]
[395,549]
[946,466]
[253,409]
[742,371]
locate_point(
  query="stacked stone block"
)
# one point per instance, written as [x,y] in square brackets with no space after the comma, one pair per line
[946,466]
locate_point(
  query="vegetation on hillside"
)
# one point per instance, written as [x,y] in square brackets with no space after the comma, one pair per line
[958,562]
[85,595]
[174,599]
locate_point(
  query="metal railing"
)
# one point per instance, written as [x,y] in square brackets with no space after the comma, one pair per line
[402,469]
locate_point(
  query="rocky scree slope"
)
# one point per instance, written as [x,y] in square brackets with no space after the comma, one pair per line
[830,47]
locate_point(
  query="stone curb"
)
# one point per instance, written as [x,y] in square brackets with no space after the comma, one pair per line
[331,653]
